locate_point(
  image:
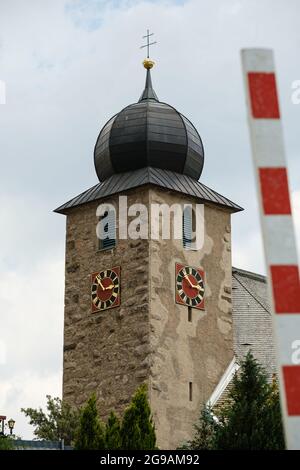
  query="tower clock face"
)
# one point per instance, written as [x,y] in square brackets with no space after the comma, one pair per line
[105,291]
[189,286]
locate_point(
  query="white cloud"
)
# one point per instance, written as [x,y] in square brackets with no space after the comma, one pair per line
[25,390]
[248,247]
[31,336]
[248,253]
[32,317]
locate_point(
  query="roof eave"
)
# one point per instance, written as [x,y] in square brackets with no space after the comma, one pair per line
[163,179]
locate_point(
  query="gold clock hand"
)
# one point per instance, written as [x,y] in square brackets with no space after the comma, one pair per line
[110,287]
[199,288]
[100,283]
[188,279]
[193,285]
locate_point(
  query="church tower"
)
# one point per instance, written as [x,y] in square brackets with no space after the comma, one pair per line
[147,308]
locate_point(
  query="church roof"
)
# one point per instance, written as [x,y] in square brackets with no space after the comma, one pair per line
[148,133]
[252,319]
[166,179]
[252,330]
[149,142]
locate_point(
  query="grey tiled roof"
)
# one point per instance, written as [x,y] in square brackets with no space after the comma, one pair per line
[252,324]
[118,183]
[252,321]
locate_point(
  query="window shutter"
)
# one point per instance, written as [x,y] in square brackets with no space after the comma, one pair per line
[187,227]
[108,239]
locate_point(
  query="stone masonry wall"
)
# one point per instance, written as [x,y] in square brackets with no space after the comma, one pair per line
[198,351]
[105,352]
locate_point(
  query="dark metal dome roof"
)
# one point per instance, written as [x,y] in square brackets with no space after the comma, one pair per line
[148,133]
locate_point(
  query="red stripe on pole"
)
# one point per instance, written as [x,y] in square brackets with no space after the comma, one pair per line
[286,289]
[274,191]
[263,95]
[291,375]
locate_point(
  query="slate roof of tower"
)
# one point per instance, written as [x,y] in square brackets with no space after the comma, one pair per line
[148,133]
[252,324]
[166,179]
[252,320]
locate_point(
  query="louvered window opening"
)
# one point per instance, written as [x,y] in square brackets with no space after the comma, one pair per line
[187,228]
[108,237]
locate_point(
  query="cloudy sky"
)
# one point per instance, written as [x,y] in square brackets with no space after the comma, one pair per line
[68,65]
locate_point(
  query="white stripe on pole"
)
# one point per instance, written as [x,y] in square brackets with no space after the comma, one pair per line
[294,426]
[289,326]
[282,249]
[277,228]
[257,60]
[268,152]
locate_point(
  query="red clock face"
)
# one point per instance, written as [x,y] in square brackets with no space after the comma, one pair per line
[189,286]
[105,290]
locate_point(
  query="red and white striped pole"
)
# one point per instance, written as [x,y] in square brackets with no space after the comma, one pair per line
[277,226]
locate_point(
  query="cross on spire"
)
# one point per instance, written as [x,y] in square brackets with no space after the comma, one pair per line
[148,42]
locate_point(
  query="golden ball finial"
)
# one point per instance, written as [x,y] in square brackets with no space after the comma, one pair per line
[148,63]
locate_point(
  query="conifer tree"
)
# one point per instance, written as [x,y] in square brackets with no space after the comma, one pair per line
[205,431]
[91,431]
[275,418]
[113,432]
[137,431]
[252,420]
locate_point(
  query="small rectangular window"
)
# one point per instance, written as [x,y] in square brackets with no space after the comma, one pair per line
[191,391]
[190,314]
[107,230]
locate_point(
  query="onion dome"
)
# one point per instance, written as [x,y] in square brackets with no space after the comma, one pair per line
[148,134]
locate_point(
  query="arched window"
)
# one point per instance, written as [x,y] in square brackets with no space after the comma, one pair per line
[107,227]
